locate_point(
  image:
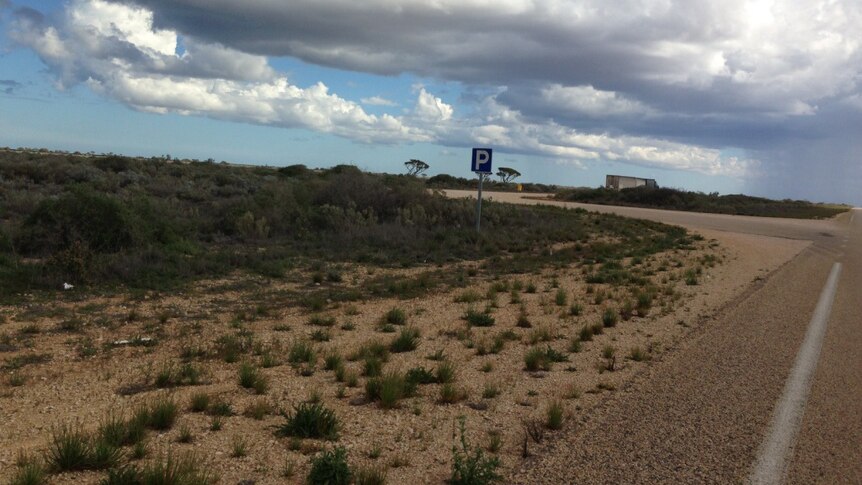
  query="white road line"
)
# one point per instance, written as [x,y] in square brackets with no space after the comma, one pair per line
[771,463]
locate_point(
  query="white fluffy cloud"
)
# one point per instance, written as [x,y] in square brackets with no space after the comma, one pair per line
[591,101]
[126,53]
[773,56]
[378,101]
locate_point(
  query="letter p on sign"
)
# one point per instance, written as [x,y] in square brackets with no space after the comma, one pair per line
[481,160]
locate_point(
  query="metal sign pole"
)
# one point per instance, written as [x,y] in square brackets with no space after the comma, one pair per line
[479,204]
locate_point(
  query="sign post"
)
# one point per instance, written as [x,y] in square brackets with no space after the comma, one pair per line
[481,164]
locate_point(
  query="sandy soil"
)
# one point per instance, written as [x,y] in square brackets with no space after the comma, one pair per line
[415,440]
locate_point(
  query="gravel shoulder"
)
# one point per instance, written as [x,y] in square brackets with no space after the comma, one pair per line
[700,414]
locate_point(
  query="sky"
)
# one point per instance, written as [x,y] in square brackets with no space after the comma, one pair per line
[762,97]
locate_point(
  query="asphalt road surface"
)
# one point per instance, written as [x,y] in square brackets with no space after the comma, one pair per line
[770,391]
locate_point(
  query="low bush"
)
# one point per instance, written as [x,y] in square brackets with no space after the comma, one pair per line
[371,475]
[542,359]
[445,372]
[609,318]
[301,352]
[389,389]
[469,464]
[554,415]
[478,319]
[310,420]
[395,316]
[406,341]
[162,413]
[330,468]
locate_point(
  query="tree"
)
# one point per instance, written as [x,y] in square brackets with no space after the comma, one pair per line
[416,167]
[507,174]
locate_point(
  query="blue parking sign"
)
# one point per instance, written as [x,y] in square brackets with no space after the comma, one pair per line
[481,162]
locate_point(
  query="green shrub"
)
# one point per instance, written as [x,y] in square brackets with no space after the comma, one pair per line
[691,277]
[468,296]
[69,450]
[420,375]
[250,377]
[610,355]
[541,359]
[554,415]
[125,475]
[301,352]
[333,361]
[258,409]
[627,311]
[220,408]
[372,475]
[374,349]
[30,473]
[320,336]
[469,464]
[406,341]
[310,420]
[103,455]
[162,414]
[637,354]
[560,298]
[535,359]
[523,319]
[330,468]
[491,390]
[449,394]
[445,372]
[99,221]
[609,317]
[478,319]
[644,303]
[180,470]
[372,366]
[395,316]
[389,389]
[185,435]
[322,320]
[117,431]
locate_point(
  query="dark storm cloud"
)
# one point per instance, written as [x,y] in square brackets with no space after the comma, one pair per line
[657,52]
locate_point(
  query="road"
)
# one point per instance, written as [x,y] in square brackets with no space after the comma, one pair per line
[767,392]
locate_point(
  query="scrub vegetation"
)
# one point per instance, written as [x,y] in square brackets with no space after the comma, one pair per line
[103,221]
[326,325]
[737,204]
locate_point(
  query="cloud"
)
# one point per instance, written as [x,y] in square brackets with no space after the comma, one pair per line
[378,101]
[777,57]
[9,86]
[587,100]
[134,55]
[117,52]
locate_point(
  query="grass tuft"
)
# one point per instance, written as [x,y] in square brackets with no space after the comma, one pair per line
[310,420]
[406,341]
[330,468]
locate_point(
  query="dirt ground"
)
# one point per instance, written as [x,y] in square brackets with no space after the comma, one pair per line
[415,440]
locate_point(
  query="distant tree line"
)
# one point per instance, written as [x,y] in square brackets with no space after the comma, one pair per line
[668,198]
[445,181]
